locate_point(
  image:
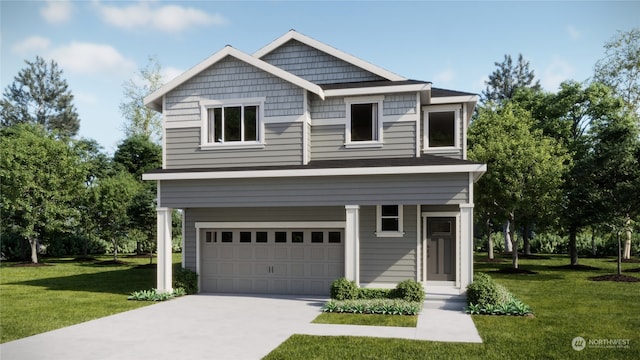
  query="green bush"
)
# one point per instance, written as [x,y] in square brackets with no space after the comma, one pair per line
[484,291]
[373,306]
[369,293]
[187,280]
[343,289]
[410,290]
[154,295]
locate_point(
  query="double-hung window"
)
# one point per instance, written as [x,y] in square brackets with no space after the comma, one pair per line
[364,121]
[231,124]
[441,127]
[389,221]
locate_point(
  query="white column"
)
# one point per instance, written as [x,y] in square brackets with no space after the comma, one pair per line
[466,245]
[164,249]
[352,243]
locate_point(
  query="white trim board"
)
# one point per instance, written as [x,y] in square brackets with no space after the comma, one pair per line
[270,225]
[477,169]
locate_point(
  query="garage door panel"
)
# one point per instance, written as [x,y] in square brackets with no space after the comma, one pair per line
[296,270]
[245,269]
[245,253]
[280,252]
[317,253]
[297,253]
[261,252]
[226,252]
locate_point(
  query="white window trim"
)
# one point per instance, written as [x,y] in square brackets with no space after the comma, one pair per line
[380,233]
[456,128]
[204,124]
[377,143]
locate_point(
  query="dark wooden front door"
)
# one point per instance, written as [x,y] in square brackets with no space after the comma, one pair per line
[441,248]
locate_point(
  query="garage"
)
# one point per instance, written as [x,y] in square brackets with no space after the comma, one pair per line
[270,260]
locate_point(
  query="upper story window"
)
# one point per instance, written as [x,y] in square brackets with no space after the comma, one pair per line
[364,121]
[232,123]
[441,127]
[389,221]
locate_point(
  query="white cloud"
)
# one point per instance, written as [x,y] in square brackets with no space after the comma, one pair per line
[574,34]
[88,58]
[57,11]
[168,18]
[31,45]
[555,73]
[444,77]
[86,98]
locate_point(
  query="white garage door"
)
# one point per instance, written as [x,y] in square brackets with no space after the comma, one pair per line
[271,261]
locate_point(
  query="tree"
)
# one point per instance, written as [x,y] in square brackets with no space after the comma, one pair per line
[112,197]
[620,68]
[524,167]
[39,95]
[139,119]
[137,155]
[507,79]
[40,178]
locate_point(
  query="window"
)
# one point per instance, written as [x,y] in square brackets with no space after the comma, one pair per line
[364,123]
[317,236]
[389,221]
[210,236]
[245,237]
[335,237]
[233,123]
[297,237]
[441,127]
[227,236]
[261,236]
[281,237]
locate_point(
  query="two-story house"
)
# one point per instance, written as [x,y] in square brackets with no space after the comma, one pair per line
[300,164]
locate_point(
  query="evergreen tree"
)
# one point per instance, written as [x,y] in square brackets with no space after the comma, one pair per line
[507,79]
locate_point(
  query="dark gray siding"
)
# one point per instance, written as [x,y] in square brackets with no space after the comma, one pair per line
[283,147]
[316,191]
[194,215]
[387,259]
[327,142]
[316,66]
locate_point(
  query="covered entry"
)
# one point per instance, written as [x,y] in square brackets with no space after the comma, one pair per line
[441,243]
[278,258]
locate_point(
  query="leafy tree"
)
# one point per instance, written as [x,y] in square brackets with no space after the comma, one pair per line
[39,95]
[524,167]
[40,178]
[620,68]
[507,79]
[112,198]
[140,120]
[137,154]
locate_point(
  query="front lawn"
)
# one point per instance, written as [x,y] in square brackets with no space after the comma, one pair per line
[64,292]
[566,305]
[367,319]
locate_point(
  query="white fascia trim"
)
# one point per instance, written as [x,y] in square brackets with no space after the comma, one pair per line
[477,169]
[377,90]
[152,99]
[453,99]
[271,225]
[294,35]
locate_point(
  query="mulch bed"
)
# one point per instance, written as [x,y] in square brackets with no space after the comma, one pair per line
[576,267]
[30,264]
[615,277]
[633,270]
[515,271]
[147,266]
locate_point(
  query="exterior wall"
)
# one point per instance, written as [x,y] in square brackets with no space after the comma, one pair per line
[193,215]
[434,189]
[327,142]
[316,66]
[335,108]
[387,259]
[283,147]
[233,79]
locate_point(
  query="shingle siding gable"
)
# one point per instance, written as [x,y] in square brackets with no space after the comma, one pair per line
[316,66]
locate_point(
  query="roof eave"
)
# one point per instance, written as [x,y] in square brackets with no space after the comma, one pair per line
[378,90]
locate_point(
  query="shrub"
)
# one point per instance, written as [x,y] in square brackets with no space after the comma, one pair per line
[373,306]
[187,280]
[410,290]
[154,295]
[369,293]
[484,291]
[343,289]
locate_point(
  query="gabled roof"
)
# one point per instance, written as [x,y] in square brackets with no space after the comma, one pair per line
[294,35]
[154,100]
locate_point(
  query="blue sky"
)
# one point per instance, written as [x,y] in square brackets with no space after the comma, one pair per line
[101,44]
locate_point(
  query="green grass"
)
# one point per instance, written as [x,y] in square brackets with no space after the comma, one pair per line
[39,299]
[566,305]
[367,319]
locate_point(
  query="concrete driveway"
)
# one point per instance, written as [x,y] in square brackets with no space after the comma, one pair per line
[221,327]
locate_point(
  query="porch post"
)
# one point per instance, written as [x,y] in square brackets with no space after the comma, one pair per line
[466,245]
[352,243]
[164,249]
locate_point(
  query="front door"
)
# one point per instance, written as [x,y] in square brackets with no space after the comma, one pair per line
[441,248]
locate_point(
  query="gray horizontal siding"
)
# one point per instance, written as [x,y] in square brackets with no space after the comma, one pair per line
[434,189]
[327,142]
[316,66]
[250,214]
[384,259]
[399,104]
[283,147]
[233,79]
[335,108]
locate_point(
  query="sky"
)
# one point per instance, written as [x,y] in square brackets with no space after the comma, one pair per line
[100,45]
